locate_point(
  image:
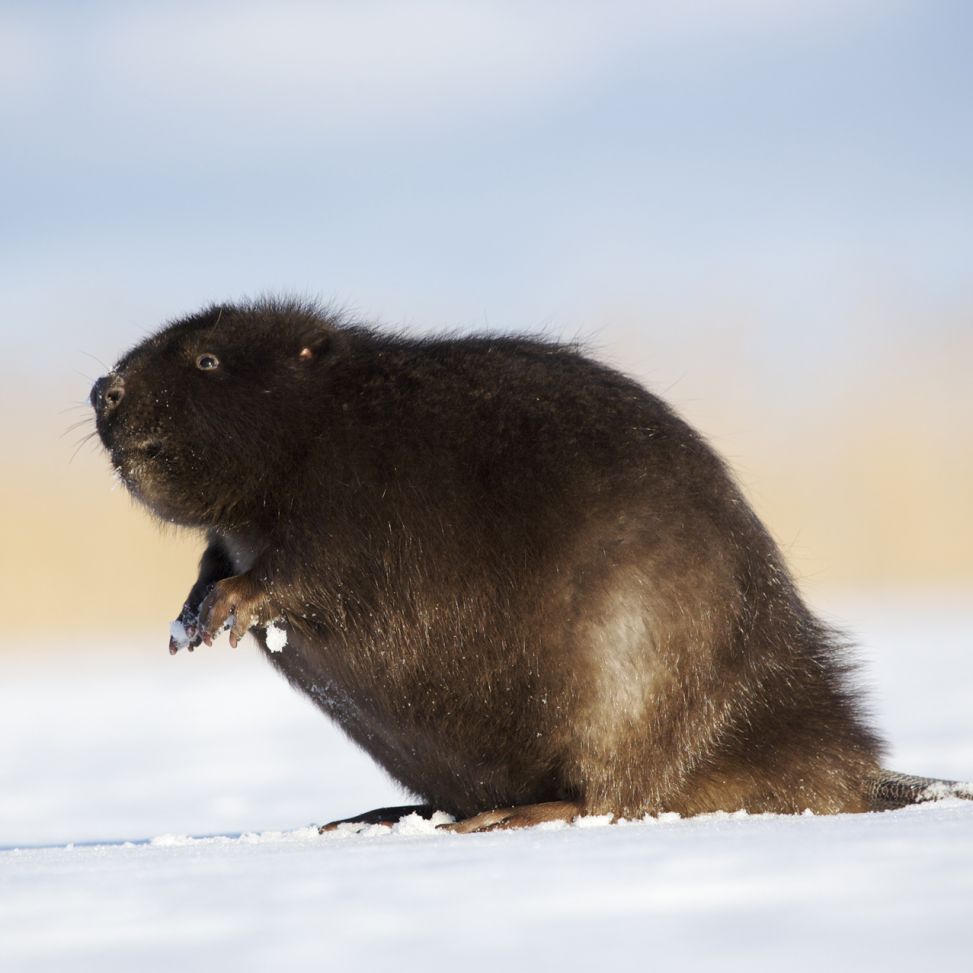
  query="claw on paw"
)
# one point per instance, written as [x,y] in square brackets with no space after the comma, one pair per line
[236,603]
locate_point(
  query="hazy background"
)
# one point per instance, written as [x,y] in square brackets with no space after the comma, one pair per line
[764,210]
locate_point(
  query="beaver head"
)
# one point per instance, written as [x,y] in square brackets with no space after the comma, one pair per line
[201,417]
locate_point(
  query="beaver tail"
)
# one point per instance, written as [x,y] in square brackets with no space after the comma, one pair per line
[889,790]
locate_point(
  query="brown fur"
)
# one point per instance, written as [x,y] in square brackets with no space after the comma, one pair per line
[511,574]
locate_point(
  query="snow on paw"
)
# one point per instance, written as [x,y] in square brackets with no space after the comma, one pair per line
[184,631]
[181,636]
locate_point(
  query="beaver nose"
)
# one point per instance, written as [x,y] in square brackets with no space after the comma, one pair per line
[106,393]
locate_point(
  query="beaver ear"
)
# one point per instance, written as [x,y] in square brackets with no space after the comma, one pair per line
[318,345]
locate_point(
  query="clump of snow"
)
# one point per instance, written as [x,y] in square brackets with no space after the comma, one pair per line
[178,634]
[942,789]
[411,824]
[172,841]
[415,824]
[592,821]
[276,636]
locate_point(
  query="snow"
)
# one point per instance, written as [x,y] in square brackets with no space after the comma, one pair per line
[180,637]
[276,636]
[155,815]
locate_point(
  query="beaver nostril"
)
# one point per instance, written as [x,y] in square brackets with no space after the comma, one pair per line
[107,392]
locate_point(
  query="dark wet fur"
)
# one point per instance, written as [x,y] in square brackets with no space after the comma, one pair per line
[510,573]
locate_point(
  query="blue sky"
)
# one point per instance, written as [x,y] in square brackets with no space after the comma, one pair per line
[510,165]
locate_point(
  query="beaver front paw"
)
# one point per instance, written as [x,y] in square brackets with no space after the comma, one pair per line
[236,603]
[184,631]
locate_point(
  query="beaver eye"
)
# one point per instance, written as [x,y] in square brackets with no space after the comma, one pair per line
[207,362]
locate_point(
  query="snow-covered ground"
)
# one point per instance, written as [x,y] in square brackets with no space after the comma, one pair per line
[109,761]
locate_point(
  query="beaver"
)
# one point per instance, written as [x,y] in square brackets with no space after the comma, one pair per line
[516,578]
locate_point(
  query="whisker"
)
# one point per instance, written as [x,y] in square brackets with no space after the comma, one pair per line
[77,425]
[85,437]
[107,368]
[81,444]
